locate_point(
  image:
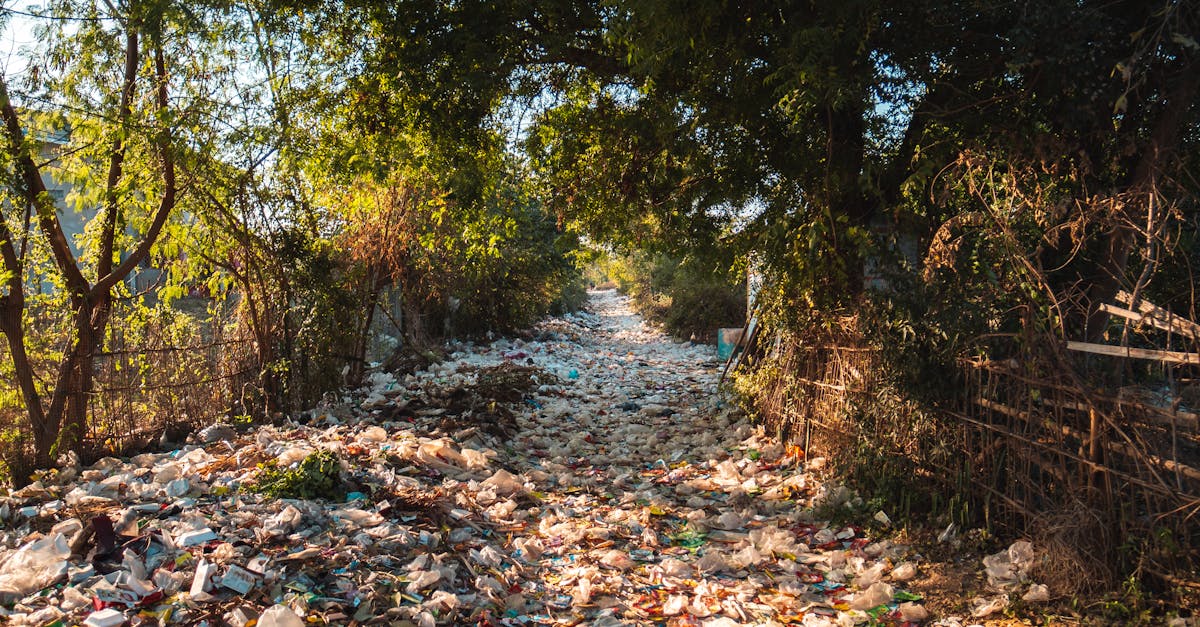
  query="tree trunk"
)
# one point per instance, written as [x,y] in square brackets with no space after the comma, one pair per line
[13,327]
[844,192]
[375,283]
[91,325]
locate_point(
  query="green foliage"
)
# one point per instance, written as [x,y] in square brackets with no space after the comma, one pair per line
[690,297]
[317,476]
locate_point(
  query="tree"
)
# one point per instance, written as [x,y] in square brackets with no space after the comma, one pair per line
[140,111]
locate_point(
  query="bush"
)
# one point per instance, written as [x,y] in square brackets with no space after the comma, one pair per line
[691,298]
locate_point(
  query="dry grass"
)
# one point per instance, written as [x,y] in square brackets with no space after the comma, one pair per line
[1076,548]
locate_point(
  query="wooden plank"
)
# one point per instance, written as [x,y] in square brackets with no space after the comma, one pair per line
[1168,417]
[1170,325]
[1174,357]
[749,334]
[1149,308]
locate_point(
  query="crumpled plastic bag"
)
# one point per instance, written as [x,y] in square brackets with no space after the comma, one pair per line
[473,459]
[279,616]
[774,541]
[530,549]
[1037,593]
[746,557]
[504,483]
[35,565]
[672,567]
[421,579]
[1010,567]
[712,562]
[582,594]
[868,576]
[729,521]
[373,434]
[440,451]
[675,605]
[912,613]
[982,607]
[904,572]
[878,594]
[617,559]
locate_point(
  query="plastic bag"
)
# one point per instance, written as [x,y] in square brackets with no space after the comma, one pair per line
[912,613]
[373,434]
[36,565]
[675,605]
[279,616]
[617,559]
[868,576]
[1038,593]
[982,607]
[878,594]
[774,541]
[504,483]
[904,571]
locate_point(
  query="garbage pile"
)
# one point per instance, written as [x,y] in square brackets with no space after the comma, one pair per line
[587,475]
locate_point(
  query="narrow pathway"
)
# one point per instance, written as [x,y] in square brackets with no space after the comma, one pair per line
[661,504]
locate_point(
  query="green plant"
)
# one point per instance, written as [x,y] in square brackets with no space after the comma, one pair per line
[316,476]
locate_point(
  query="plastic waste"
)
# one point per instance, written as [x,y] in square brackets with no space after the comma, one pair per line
[279,616]
[195,537]
[878,594]
[202,580]
[774,541]
[178,488]
[904,571]
[675,605]
[491,499]
[912,613]
[34,566]
[868,576]
[373,434]
[1037,593]
[1009,568]
[105,618]
[949,533]
[982,607]
[504,483]
[617,559]
[239,579]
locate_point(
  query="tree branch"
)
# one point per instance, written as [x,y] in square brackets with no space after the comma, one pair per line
[167,204]
[35,194]
[117,158]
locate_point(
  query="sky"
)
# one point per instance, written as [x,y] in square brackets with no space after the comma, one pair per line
[17,33]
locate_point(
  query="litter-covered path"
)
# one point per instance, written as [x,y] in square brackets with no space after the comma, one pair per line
[588,474]
[660,504]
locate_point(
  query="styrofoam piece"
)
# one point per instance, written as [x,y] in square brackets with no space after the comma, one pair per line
[204,572]
[195,537]
[105,618]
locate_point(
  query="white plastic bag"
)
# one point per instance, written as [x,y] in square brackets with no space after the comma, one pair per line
[279,616]
[36,565]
